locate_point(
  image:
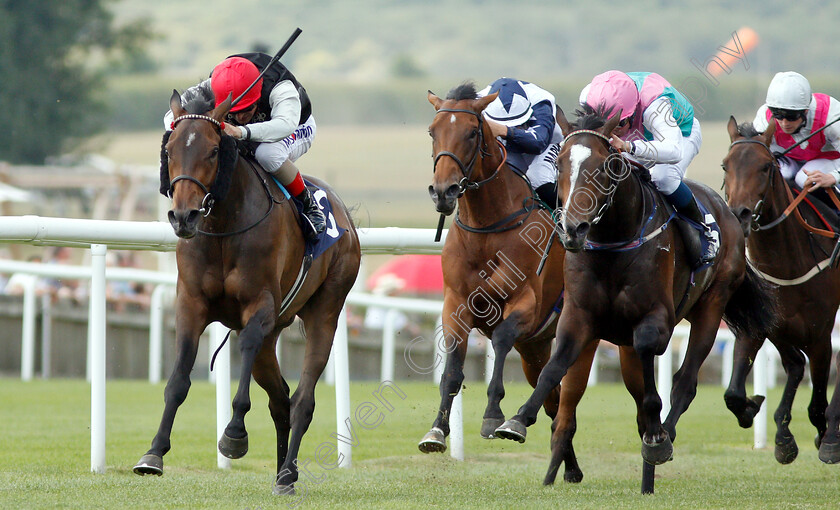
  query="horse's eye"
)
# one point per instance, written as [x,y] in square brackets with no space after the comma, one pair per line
[473,134]
[723,167]
[214,152]
[767,167]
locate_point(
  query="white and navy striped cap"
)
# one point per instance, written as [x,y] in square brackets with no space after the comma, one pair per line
[512,107]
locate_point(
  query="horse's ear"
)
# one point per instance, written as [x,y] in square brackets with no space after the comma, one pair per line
[565,127]
[164,165]
[768,134]
[434,100]
[482,102]
[732,127]
[611,124]
[220,112]
[175,104]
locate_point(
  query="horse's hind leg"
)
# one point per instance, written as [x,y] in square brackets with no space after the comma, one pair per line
[819,356]
[503,339]
[267,375]
[189,325]
[234,441]
[794,364]
[735,396]
[565,420]
[319,326]
[830,444]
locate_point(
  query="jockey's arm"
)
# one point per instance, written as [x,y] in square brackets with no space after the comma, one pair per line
[659,120]
[285,114]
[537,137]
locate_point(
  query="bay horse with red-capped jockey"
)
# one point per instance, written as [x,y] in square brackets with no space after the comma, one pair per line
[629,280]
[490,262]
[793,246]
[242,261]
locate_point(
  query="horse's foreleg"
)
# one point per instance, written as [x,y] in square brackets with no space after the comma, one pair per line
[234,441]
[573,333]
[632,374]
[190,322]
[794,363]
[830,444]
[744,409]
[651,337]
[820,359]
[565,421]
[454,335]
[267,375]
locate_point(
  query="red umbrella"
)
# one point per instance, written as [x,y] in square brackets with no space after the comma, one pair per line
[414,274]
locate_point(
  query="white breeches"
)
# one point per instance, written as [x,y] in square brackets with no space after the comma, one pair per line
[668,176]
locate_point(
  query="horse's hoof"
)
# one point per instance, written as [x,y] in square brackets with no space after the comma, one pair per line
[489,426]
[512,429]
[830,452]
[149,465]
[658,453]
[573,476]
[786,450]
[283,490]
[433,442]
[233,448]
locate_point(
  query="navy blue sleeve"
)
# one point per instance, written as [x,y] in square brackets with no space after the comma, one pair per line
[537,136]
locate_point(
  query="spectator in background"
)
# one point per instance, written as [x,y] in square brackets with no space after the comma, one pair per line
[17,283]
[124,295]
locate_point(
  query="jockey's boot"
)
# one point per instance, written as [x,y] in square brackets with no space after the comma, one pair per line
[312,214]
[707,254]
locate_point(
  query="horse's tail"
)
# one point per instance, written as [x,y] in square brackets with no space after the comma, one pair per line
[753,309]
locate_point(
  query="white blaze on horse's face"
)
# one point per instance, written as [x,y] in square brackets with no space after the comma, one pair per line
[190,139]
[577,155]
[452,119]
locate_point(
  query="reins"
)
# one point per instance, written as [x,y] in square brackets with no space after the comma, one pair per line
[794,201]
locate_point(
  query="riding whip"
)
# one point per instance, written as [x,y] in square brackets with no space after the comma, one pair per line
[274,59]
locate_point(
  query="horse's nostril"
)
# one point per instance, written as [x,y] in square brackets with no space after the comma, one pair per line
[192,217]
[582,229]
[452,191]
[744,214]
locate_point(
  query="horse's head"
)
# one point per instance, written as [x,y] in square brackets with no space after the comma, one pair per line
[459,138]
[588,173]
[748,171]
[196,162]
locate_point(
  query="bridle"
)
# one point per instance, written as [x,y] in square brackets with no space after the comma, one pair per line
[613,187]
[759,206]
[208,201]
[466,170]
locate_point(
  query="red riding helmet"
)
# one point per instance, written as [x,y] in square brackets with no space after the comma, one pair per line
[232,76]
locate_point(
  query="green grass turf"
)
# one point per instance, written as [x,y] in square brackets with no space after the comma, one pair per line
[46,459]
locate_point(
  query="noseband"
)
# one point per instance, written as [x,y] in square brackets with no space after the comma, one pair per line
[208,201]
[466,170]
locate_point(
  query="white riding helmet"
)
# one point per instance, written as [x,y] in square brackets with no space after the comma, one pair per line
[789,91]
[512,107]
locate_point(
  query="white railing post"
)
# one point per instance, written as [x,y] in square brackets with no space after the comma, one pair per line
[97,349]
[665,374]
[386,369]
[489,360]
[438,352]
[46,336]
[222,371]
[727,362]
[456,429]
[342,388]
[156,333]
[27,349]
[760,386]
[593,371]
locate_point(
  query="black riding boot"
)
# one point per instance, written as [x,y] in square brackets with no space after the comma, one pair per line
[548,194]
[312,214]
[692,212]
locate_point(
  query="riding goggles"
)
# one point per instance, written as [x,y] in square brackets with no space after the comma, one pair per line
[789,115]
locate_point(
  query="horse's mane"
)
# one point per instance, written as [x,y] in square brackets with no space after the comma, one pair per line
[594,119]
[199,100]
[747,129]
[465,90]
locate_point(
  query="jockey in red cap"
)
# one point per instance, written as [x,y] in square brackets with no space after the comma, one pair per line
[275,116]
